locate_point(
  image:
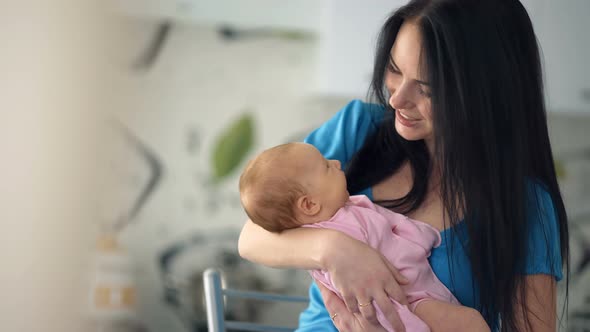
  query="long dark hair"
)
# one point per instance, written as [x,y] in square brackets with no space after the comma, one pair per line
[491,139]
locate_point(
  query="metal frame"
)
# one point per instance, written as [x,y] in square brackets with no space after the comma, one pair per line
[214,302]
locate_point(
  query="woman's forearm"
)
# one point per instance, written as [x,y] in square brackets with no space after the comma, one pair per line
[540,302]
[303,248]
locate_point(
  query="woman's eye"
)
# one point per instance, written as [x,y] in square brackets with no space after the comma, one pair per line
[392,68]
[424,93]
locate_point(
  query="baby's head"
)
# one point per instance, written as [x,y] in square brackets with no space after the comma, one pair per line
[290,185]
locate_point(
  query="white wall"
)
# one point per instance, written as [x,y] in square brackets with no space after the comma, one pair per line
[50,100]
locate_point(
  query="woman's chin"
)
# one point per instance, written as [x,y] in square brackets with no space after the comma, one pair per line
[409,134]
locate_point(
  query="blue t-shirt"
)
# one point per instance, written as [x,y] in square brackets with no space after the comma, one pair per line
[344,134]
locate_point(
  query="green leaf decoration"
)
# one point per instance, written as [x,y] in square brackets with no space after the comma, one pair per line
[560,169]
[232,146]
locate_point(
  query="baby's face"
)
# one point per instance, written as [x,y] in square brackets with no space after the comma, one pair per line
[323,178]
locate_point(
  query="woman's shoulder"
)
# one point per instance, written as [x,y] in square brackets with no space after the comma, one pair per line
[357,114]
[345,132]
[360,112]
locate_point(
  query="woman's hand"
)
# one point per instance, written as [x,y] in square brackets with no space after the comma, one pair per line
[343,319]
[364,277]
[346,321]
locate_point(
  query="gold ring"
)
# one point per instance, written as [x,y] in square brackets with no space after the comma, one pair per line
[333,316]
[364,304]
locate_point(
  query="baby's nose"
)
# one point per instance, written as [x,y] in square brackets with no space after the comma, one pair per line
[337,162]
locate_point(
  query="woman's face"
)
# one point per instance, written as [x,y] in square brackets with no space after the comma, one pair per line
[409,91]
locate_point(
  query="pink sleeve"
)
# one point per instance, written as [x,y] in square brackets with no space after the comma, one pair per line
[362,201]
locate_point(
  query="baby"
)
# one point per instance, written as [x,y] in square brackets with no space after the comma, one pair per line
[293,185]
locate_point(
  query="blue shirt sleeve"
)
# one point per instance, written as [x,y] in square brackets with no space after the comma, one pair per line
[544,253]
[339,138]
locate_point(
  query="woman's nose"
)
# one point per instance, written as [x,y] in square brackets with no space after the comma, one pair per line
[399,99]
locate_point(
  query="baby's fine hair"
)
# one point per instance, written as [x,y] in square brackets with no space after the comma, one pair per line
[268,193]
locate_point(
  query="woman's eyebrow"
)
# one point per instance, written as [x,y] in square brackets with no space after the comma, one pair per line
[396,66]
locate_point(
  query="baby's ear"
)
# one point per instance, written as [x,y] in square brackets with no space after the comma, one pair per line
[307,205]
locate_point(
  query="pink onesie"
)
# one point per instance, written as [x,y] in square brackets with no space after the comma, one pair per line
[406,243]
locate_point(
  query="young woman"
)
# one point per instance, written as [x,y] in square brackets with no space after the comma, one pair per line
[457,139]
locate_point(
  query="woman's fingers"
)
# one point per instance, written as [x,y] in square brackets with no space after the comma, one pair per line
[351,302]
[367,309]
[396,274]
[390,312]
[393,289]
[359,287]
[336,308]
[344,320]
[397,293]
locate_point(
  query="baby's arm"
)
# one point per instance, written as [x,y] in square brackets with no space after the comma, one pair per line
[446,317]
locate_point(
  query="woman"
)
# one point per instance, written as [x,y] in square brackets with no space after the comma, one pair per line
[458,140]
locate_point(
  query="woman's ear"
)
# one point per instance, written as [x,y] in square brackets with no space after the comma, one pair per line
[308,206]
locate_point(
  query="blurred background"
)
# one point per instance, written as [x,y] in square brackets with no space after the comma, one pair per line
[126,123]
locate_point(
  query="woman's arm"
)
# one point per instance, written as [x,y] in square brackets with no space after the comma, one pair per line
[446,317]
[358,272]
[543,263]
[302,248]
[540,304]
